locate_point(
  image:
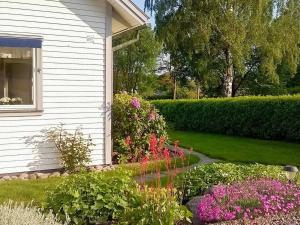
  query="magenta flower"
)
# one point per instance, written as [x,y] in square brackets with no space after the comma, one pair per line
[135,103]
[248,199]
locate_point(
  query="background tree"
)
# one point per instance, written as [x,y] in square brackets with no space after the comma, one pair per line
[135,65]
[231,39]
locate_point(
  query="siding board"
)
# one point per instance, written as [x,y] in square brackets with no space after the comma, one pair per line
[73,78]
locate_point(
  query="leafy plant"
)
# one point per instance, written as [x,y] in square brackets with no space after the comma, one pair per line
[134,120]
[200,179]
[154,206]
[20,214]
[92,198]
[260,117]
[74,148]
[248,199]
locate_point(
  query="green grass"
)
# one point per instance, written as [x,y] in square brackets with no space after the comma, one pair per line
[36,190]
[27,190]
[238,149]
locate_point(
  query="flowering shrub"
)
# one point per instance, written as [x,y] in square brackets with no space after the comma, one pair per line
[156,205]
[248,199]
[134,120]
[199,179]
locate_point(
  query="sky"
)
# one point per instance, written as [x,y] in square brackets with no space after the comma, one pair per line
[140,3]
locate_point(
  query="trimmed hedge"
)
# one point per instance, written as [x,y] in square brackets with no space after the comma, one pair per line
[271,117]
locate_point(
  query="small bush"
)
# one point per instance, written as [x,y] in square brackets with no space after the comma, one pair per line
[74,149]
[154,206]
[248,200]
[13,214]
[258,117]
[92,198]
[200,179]
[134,120]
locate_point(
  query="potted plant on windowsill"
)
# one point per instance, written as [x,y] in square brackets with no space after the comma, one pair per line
[10,101]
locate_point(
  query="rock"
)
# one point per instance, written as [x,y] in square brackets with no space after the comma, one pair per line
[14,177]
[6,178]
[55,174]
[65,174]
[42,175]
[192,206]
[23,176]
[99,167]
[32,176]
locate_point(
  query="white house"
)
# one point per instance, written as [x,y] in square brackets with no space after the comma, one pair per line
[56,67]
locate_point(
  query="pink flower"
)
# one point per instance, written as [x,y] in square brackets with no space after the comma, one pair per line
[128,141]
[267,197]
[152,116]
[181,153]
[135,103]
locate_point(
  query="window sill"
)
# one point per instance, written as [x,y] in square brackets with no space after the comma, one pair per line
[21,113]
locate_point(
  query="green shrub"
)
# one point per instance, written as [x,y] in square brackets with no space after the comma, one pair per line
[13,214]
[200,179]
[259,117]
[154,206]
[73,148]
[134,120]
[91,198]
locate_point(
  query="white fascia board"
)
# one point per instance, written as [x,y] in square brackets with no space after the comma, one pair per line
[130,12]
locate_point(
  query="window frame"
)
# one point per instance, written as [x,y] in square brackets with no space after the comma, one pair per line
[37,90]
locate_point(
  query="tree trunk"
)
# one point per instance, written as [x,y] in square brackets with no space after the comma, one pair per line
[228,78]
[198,91]
[175,88]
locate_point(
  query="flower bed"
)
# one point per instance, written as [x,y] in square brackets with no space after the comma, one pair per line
[248,200]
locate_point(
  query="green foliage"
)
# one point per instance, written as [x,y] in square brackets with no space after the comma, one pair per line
[74,148]
[132,126]
[200,179]
[219,43]
[20,214]
[134,65]
[154,207]
[91,198]
[260,117]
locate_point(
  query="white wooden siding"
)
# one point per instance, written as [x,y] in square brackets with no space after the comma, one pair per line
[73,78]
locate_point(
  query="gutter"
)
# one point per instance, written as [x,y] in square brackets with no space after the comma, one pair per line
[130,42]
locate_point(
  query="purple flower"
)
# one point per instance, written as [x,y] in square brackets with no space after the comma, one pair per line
[135,103]
[248,199]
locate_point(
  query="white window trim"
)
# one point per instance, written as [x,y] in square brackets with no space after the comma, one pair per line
[37,107]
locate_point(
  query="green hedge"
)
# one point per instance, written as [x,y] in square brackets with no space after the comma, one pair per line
[271,117]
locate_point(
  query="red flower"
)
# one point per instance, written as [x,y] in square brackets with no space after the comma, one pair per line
[145,160]
[153,144]
[181,153]
[167,156]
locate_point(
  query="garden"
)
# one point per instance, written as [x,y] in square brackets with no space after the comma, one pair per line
[152,183]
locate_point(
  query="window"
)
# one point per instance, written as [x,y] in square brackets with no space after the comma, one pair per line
[20,77]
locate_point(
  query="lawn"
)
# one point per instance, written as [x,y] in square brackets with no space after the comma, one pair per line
[36,190]
[238,149]
[27,190]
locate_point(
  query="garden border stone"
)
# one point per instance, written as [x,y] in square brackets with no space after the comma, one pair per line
[47,174]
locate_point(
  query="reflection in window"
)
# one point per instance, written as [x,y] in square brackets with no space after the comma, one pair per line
[16,76]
